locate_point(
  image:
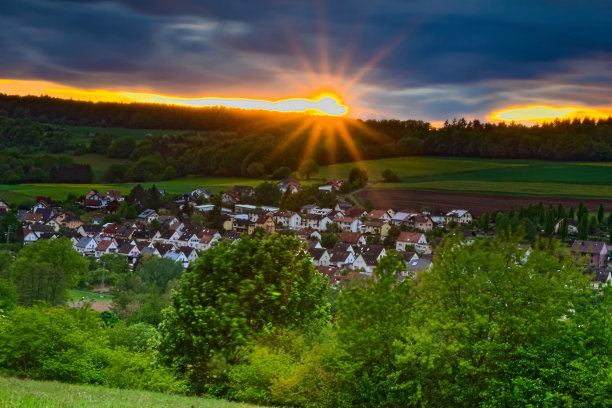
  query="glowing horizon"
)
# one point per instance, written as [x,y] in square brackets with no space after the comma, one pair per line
[323,103]
[544,113]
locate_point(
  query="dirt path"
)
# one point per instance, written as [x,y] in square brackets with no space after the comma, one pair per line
[476,203]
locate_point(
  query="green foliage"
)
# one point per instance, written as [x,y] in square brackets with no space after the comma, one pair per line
[281,173]
[256,170]
[267,194]
[389,176]
[45,269]
[308,168]
[72,346]
[8,295]
[159,271]
[235,292]
[169,173]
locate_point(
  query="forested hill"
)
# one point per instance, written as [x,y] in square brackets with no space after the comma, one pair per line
[588,140]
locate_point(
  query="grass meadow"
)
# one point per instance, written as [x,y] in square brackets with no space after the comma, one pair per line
[34,394]
[494,176]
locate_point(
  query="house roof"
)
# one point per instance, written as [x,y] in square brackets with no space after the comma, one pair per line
[114,194]
[373,223]
[351,237]
[372,250]
[317,253]
[411,237]
[163,248]
[33,217]
[233,235]
[206,239]
[457,213]
[40,228]
[83,242]
[104,244]
[147,213]
[377,214]
[593,247]
[339,256]
[262,219]
[125,248]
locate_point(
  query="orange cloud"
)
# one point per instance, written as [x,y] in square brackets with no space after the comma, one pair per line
[326,103]
[542,113]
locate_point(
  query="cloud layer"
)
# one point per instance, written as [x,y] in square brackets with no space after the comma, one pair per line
[419,59]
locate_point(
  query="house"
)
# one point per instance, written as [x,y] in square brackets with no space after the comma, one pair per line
[4,206]
[33,218]
[35,232]
[177,256]
[148,215]
[54,224]
[320,256]
[206,240]
[266,222]
[201,193]
[289,184]
[316,222]
[333,272]
[342,259]
[356,212]
[421,222]
[343,246]
[89,230]
[350,224]
[230,197]
[105,246]
[86,246]
[287,219]
[368,259]
[415,239]
[378,214]
[114,195]
[232,235]
[46,213]
[71,221]
[354,238]
[190,253]
[459,216]
[374,227]
[572,227]
[595,252]
[332,185]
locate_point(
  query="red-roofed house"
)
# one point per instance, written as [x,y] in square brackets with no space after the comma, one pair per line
[415,239]
[352,238]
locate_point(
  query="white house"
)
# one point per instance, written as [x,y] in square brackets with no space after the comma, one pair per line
[86,246]
[459,216]
[288,219]
[415,239]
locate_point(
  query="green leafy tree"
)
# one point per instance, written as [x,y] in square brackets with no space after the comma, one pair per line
[281,173]
[372,313]
[583,228]
[571,214]
[267,194]
[308,168]
[235,292]
[256,170]
[169,173]
[390,177]
[600,214]
[45,270]
[159,271]
[564,228]
[10,222]
[485,221]
[487,315]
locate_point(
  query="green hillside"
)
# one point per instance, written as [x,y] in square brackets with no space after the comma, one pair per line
[35,394]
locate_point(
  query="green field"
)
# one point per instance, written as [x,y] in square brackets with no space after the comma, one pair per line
[18,193]
[90,295]
[496,176]
[35,394]
[511,177]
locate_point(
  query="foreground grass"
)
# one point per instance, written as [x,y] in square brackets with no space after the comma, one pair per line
[26,393]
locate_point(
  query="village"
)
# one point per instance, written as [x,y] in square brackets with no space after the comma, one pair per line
[344,242]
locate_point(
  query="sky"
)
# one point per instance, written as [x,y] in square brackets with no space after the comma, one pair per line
[419,59]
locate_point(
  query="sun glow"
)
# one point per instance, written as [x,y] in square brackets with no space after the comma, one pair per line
[542,113]
[324,103]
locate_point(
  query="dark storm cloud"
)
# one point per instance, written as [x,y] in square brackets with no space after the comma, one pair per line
[457,57]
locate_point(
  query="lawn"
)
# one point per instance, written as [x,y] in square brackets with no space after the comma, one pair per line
[33,394]
[90,295]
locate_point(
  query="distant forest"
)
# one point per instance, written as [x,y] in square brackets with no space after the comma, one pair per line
[229,142]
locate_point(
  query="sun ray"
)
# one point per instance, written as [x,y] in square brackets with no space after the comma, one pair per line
[315,134]
[291,137]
